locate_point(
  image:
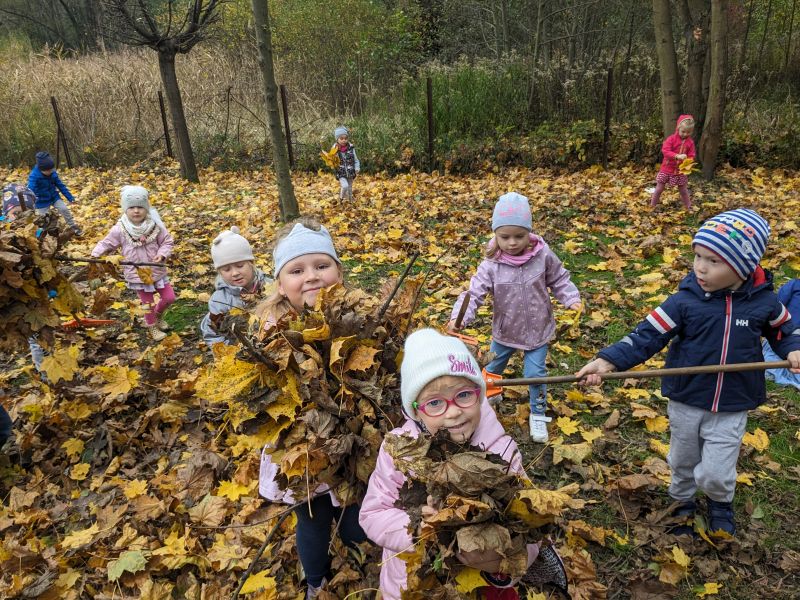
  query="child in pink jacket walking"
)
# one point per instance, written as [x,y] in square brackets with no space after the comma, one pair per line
[142,237]
[676,148]
[518,270]
[442,388]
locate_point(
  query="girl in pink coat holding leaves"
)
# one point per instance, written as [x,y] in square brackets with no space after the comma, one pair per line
[676,148]
[142,237]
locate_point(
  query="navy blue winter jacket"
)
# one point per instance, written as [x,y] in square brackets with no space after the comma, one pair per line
[46,188]
[712,328]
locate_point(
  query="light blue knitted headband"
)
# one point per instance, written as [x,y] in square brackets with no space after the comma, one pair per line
[302,240]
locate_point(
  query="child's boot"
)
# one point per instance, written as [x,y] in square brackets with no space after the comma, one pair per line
[313,591]
[720,517]
[538,427]
[155,333]
[685,512]
[162,324]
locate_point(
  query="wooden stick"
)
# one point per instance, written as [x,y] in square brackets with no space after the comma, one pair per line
[107,262]
[647,374]
[388,301]
[463,310]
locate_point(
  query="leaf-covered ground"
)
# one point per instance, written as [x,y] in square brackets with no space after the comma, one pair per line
[132,486]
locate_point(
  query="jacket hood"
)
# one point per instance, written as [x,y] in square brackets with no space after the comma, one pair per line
[757,281]
[681,118]
[221,284]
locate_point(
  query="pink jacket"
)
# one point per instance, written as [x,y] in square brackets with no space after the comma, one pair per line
[116,238]
[387,525]
[523,315]
[673,145]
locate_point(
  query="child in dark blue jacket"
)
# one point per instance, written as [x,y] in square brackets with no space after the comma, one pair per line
[789,295]
[48,187]
[721,310]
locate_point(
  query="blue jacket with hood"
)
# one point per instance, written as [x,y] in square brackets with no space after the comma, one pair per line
[712,328]
[47,187]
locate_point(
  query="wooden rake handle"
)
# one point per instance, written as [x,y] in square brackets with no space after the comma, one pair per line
[61,258]
[647,374]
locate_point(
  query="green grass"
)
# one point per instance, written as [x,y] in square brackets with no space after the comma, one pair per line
[184,314]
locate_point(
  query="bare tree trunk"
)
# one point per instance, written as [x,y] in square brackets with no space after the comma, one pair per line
[712,134]
[668,65]
[789,38]
[166,65]
[287,201]
[696,14]
[763,38]
[743,49]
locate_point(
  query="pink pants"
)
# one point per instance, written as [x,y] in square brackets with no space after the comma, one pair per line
[679,180]
[166,296]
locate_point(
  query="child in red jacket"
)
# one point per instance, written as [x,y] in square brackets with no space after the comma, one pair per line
[676,148]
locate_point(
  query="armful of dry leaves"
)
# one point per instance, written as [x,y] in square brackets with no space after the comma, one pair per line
[320,388]
[480,507]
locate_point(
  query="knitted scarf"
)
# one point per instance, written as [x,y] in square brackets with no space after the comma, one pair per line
[141,234]
[514,260]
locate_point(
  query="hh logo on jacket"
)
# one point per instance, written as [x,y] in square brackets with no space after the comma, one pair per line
[742,323]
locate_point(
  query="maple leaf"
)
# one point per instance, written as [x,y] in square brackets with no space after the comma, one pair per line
[79,471]
[758,439]
[260,581]
[135,488]
[73,447]
[132,561]
[119,379]
[707,589]
[688,166]
[62,363]
[174,545]
[657,424]
[659,447]
[469,579]
[233,490]
[575,453]
[76,539]
[331,157]
[209,512]
[567,425]
[228,377]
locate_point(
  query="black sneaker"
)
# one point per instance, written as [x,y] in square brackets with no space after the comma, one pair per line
[548,569]
[720,517]
[685,512]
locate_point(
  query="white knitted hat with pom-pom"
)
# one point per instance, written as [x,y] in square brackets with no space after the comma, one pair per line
[230,247]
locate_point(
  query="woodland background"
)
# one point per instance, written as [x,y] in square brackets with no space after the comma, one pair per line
[514,81]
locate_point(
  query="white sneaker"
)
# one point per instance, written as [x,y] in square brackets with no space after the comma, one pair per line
[650,190]
[155,333]
[538,427]
[163,325]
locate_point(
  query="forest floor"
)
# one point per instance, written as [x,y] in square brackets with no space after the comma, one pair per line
[131,486]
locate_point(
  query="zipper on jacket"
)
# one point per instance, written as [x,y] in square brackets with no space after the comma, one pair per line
[724,356]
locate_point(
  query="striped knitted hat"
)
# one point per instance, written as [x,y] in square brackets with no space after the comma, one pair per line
[739,237]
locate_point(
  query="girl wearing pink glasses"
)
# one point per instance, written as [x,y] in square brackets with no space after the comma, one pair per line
[442,389]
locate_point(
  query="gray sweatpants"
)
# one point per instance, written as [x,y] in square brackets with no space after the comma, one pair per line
[61,207]
[703,451]
[346,191]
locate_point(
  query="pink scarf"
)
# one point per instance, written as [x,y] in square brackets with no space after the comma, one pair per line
[511,259]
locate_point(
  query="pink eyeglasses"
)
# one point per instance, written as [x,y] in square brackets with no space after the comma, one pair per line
[438,405]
